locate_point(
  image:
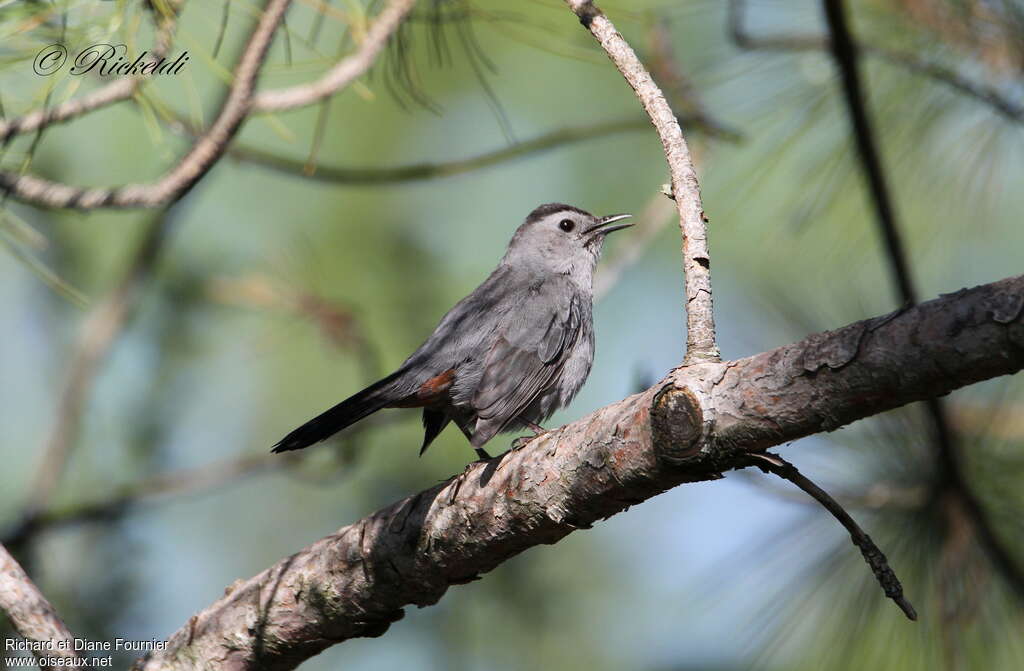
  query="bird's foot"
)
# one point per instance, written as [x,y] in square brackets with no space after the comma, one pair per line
[522,441]
[536,428]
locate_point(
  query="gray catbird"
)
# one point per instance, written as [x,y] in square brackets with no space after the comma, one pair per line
[507,355]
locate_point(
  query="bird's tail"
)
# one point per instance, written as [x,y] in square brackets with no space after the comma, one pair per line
[348,412]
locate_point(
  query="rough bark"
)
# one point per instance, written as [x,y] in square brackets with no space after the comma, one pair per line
[32,616]
[698,422]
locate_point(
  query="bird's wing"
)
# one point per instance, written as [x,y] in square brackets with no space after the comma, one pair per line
[527,354]
[462,330]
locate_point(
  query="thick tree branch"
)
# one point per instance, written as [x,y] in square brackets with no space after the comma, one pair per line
[700,319]
[699,421]
[31,614]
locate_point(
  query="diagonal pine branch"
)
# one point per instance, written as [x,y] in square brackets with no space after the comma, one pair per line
[698,422]
[33,617]
[772,463]
[700,319]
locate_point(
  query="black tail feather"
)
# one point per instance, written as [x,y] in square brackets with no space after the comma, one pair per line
[434,422]
[346,413]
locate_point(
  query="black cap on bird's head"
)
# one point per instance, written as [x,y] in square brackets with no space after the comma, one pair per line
[599,225]
[561,236]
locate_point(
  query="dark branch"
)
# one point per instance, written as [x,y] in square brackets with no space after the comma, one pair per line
[772,463]
[989,95]
[845,54]
[944,438]
[371,176]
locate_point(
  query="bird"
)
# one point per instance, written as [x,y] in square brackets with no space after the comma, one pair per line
[509,354]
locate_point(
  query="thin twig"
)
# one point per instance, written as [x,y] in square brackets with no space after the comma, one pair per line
[192,481]
[424,171]
[114,506]
[879,496]
[32,615]
[344,72]
[772,463]
[944,438]
[373,176]
[700,321]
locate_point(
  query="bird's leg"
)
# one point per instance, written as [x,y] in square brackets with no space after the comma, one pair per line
[521,442]
[467,431]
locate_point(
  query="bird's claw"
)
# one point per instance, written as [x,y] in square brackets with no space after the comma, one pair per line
[521,442]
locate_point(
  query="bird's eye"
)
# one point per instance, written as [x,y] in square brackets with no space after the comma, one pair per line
[567,225]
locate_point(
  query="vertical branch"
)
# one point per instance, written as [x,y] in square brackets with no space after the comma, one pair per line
[32,616]
[845,54]
[700,321]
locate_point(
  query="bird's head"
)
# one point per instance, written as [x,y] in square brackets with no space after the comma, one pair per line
[557,238]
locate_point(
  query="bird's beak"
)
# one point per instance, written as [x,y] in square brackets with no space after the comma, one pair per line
[603,225]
